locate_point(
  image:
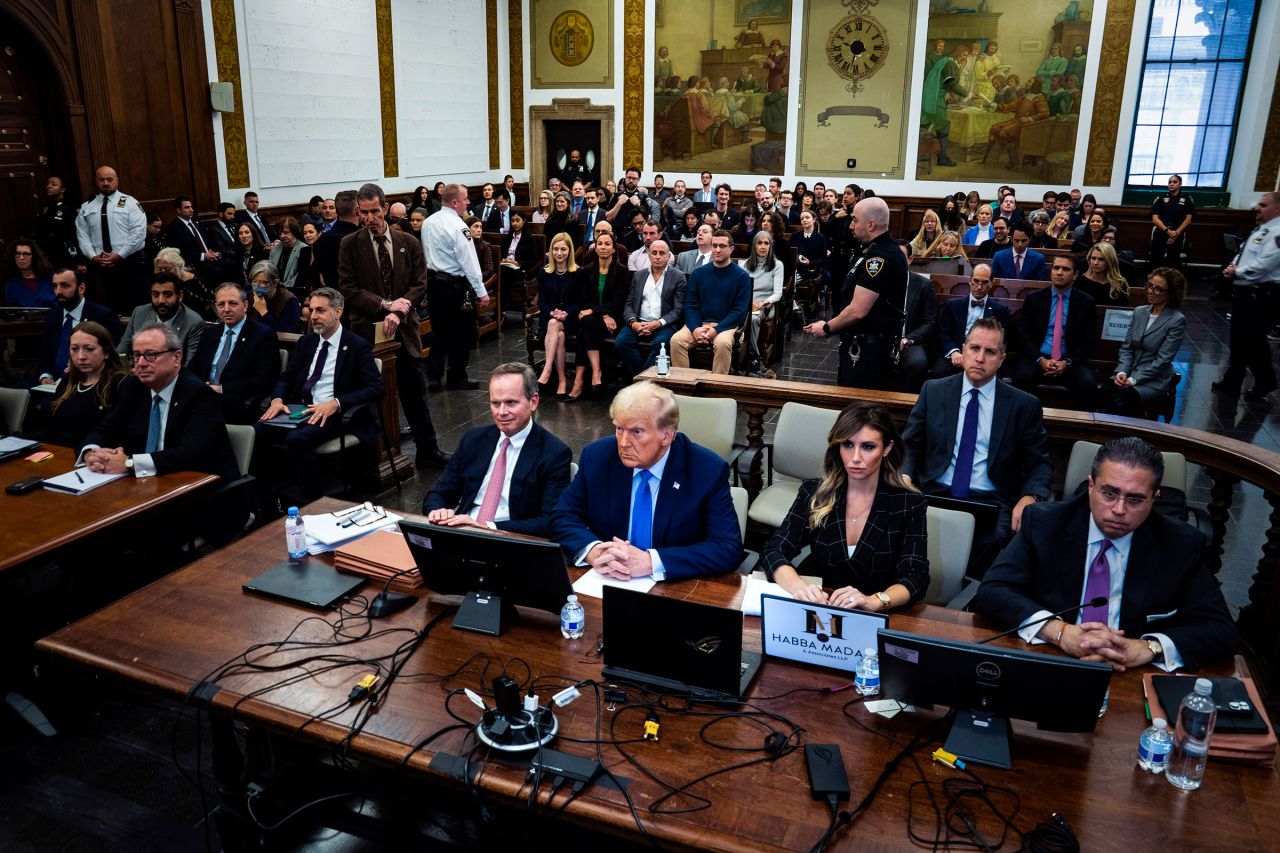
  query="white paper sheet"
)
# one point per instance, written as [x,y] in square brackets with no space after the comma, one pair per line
[79,480]
[757,587]
[593,583]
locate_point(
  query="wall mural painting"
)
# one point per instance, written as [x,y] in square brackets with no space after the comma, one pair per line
[1000,101]
[720,86]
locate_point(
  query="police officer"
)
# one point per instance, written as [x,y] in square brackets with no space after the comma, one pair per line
[111,230]
[871,325]
[452,269]
[1170,217]
[56,225]
[1256,273]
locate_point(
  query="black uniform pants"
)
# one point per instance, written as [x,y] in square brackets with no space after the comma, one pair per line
[865,362]
[1251,314]
[452,330]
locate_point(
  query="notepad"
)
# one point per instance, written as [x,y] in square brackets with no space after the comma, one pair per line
[79,480]
[13,444]
[592,584]
[288,421]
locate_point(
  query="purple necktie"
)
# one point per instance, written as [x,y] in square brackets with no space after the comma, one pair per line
[1098,585]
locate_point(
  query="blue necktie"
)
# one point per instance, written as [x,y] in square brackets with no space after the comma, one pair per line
[968,444]
[64,347]
[153,428]
[314,378]
[642,513]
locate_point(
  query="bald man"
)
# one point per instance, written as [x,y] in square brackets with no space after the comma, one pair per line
[111,229]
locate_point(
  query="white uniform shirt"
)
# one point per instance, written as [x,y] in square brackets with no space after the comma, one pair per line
[1259,258]
[447,244]
[125,218]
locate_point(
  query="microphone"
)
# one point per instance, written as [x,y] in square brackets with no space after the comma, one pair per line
[1098,601]
[387,602]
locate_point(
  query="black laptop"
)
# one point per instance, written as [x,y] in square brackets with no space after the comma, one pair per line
[676,646]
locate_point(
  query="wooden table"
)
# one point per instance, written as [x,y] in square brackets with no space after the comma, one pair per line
[170,634]
[43,521]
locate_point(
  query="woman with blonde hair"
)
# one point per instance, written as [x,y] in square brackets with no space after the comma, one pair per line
[1060,228]
[930,228]
[558,310]
[948,245]
[1102,278]
[864,523]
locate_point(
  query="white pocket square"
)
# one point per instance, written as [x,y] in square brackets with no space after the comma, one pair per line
[1156,617]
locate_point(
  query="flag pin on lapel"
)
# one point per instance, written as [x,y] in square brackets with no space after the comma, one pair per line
[675,485]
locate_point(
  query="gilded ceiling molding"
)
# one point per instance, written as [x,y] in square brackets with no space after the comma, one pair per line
[515,49]
[1269,161]
[227,51]
[491,42]
[633,83]
[387,90]
[1109,93]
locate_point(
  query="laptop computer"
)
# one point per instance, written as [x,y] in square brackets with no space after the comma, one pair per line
[676,646]
[306,581]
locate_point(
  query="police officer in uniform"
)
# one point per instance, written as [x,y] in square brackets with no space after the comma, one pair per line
[1170,217]
[452,270]
[871,325]
[56,225]
[111,230]
[1256,287]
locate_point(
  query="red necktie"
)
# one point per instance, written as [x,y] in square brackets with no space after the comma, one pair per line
[497,478]
[1017,265]
[1055,351]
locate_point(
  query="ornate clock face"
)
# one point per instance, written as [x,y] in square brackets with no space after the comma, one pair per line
[856,47]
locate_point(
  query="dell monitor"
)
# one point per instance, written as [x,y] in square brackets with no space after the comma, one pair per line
[987,686]
[492,571]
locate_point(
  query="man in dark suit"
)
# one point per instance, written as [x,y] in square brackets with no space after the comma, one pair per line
[382,274]
[1058,329]
[256,220]
[959,314]
[325,250]
[920,338]
[499,221]
[331,372]
[486,205]
[221,237]
[240,361]
[188,237]
[73,309]
[508,476]
[164,419]
[653,312]
[1163,607]
[971,436]
[647,501]
[1019,261]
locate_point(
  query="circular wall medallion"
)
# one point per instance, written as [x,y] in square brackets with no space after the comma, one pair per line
[572,38]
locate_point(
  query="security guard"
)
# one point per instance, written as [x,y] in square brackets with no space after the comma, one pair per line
[452,269]
[871,325]
[56,224]
[1170,218]
[111,230]
[1255,290]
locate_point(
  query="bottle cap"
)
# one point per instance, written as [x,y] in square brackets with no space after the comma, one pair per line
[1204,687]
[573,598]
[869,652]
[293,510]
[1160,723]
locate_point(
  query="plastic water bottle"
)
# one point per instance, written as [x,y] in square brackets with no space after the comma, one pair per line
[1154,746]
[1196,716]
[867,678]
[664,360]
[295,538]
[572,619]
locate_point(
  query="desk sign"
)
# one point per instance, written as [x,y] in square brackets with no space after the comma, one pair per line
[830,637]
[1115,323]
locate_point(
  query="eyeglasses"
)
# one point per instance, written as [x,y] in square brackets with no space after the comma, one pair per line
[1157,288]
[22,254]
[150,356]
[1110,494]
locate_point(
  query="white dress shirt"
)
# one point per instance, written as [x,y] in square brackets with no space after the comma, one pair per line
[639,260]
[446,240]
[143,464]
[979,481]
[503,512]
[651,298]
[655,485]
[227,342]
[75,314]
[322,391]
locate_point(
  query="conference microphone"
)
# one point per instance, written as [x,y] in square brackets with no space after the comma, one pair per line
[387,602]
[1099,601]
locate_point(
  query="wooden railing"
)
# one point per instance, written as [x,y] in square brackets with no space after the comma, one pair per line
[1227,462]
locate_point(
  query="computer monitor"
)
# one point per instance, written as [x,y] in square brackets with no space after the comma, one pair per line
[986,686]
[493,571]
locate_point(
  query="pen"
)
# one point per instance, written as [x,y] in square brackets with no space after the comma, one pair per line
[1146,701]
[78,477]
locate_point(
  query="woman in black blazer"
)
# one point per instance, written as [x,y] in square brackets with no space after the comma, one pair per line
[602,292]
[864,524]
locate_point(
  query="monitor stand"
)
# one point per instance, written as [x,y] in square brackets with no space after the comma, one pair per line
[980,737]
[481,612]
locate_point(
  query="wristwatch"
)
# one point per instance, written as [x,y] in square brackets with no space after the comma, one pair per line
[1157,650]
[128,463]
[885,600]
[826,328]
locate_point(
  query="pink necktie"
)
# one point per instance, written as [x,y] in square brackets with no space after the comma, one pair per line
[1056,351]
[1017,265]
[493,492]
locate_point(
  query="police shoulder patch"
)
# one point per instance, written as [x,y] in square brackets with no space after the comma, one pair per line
[874,265]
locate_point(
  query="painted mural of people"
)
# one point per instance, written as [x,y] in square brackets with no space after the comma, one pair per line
[1054,63]
[943,79]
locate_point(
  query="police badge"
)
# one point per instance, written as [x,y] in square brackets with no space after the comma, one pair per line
[874,265]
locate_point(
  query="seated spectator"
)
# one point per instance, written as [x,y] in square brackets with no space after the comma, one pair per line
[949,214]
[499,221]
[745,231]
[164,419]
[1144,372]
[520,255]
[919,337]
[602,293]
[1090,234]
[28,277]
[1163,606]
[1128,268]
[980,232]
[542,212]
[557,311]
[700,254]
[638,259]
[308,271]
[196,293]
[508,476]
[1018,261]
[864,523]
[417,216]
[313,217]
[166,306]
[998,242]
[811,247]
[333,374]
[685,230]
[716,303]
[1058,336]
[1059,229]
[273,306]
[652,314]
[958,315]
[1102,278]
[1080,214]
[970,209]
[930,229]
[284,256]
[767,275]
[73,309]
[483,254]
[89,388]
[240,359]
[1040,238]
[624,514]
[947,245]
[561,219]
[249,250]
[676,206]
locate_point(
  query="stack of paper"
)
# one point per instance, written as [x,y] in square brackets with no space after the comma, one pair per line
[756,587]
[382,555]
[326,532]
[593,583]
[79,480]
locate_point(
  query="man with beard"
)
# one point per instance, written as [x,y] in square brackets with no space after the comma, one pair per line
[166,307]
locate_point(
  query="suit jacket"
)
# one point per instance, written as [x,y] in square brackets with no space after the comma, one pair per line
[1079,327]
[179,236]
[250,373]
[922,312]
[187,323]
[195,434]
[243,216]
[540,475]
[695,527]
[1148,355]
[495,224]
[527,254]
[955,315]
[1018,460]
[673,290]
[360,280]
[288,275]
[356,379]
[325,252]
[611,302]
[686,259]
[1167,589]
[893,547]
[477,209]
[1034,267]
[53,332]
